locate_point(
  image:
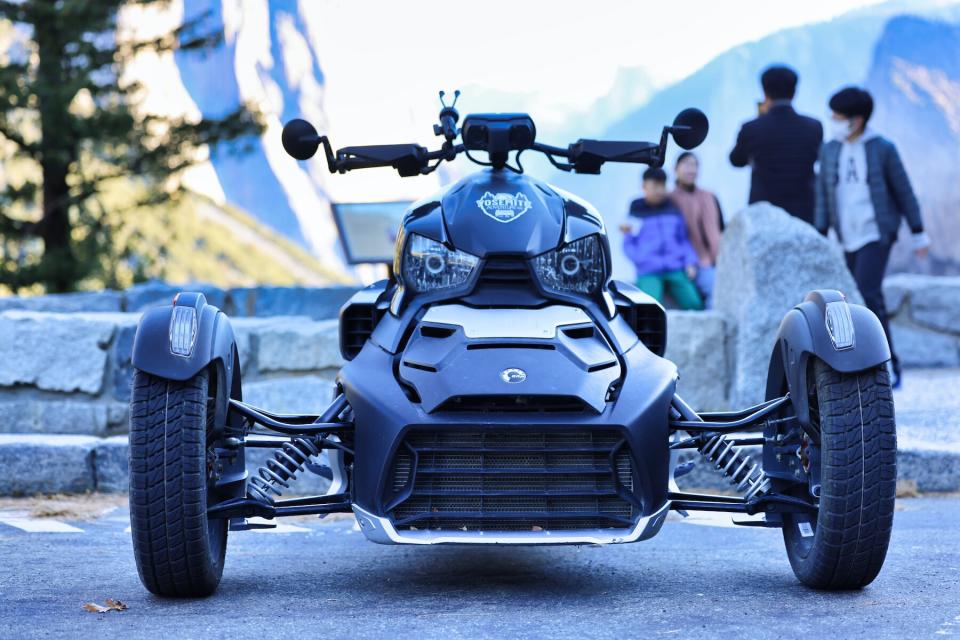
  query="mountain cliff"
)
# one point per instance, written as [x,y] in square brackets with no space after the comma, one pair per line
[915,80]
[267,59]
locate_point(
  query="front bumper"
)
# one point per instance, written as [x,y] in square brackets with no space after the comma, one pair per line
[381,530]
[492,474]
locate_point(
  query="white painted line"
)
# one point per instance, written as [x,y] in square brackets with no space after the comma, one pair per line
[39,525]
[280,528]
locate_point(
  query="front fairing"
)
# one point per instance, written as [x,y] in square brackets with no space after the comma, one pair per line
[494,214]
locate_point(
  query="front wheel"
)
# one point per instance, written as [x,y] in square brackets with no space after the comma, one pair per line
[844,545]
[179,550]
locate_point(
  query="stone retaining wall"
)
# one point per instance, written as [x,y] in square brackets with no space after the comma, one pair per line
[65,376]
[924,319]
[70,373]
[319,303]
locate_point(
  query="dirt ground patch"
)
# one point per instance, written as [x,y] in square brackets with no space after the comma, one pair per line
[84,506]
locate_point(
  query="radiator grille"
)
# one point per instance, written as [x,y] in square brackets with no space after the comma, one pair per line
[486,480]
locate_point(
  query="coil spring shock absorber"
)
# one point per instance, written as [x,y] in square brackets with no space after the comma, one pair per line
[287,461]
[736,465]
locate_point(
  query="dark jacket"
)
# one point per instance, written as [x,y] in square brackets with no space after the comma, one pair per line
[782,147]
[890,191]
[661,243]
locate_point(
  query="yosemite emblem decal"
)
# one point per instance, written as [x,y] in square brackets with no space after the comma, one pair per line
[504,207]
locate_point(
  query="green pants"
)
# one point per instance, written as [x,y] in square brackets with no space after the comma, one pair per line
[677,284]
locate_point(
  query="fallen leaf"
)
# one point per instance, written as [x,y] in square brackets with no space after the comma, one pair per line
[112,605]
[116,605]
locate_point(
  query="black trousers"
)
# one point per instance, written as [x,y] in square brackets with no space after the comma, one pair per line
[868,265]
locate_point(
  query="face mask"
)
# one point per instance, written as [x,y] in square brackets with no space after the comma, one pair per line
[840,129]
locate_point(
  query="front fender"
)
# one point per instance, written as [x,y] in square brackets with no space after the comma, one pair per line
[803,333]
[213,341]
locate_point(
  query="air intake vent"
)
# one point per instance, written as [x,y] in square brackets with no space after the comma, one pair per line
[503,272]
[514,404]
[356,324]
[650,323]
[486,480]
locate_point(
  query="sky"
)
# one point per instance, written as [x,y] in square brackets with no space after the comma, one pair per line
[566,52]
[385,61]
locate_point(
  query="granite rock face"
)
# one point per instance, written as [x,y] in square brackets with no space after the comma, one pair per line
[319,303]
[66,302]
[54,352]
[295,394]
[141,297]
[295,344]
[924,319]
[53,416]
[917,346]
[46,464]
[697,344]
[768,262]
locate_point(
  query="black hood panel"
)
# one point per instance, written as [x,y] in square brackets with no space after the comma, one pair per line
[502,212]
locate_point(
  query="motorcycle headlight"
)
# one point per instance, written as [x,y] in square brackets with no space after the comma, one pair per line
[429,266]
[577,267]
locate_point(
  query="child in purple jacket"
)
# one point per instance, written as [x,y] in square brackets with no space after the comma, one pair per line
[655,240]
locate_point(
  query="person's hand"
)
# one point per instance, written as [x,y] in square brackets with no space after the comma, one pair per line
[691,271]
[626,227]
[921,244]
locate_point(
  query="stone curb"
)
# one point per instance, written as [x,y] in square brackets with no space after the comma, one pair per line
[933,469]
[75,464]
[34,463]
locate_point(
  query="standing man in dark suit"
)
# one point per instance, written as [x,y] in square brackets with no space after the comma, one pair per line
[781,146]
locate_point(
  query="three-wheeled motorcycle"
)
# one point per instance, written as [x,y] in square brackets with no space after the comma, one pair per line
[501,388]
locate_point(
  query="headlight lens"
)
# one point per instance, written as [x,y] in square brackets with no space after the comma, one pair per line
[429,266]
[577,267]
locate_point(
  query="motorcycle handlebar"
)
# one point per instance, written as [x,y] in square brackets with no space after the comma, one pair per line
[497,134]
[583,156]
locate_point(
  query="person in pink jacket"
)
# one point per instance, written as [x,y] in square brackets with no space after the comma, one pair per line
[704,220]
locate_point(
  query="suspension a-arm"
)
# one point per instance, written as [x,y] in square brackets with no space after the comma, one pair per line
[301,437]
[710,437]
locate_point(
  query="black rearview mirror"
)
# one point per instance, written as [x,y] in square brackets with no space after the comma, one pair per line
[300,139]
[690,128]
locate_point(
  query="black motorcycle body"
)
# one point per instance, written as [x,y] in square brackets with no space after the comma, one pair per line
[502,388]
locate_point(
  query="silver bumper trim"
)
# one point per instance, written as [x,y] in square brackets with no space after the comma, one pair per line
[382,531]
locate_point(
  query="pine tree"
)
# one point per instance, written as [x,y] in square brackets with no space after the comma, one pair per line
[73,123]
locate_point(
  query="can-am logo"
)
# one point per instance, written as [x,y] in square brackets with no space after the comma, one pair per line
[504,207]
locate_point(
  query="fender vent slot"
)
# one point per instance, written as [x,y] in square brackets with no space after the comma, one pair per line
[580,333]
[428,331]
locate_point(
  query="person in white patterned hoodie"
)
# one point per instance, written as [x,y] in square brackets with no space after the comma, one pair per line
[863,193]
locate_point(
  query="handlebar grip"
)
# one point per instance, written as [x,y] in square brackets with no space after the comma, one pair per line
[589,155]
[407,159]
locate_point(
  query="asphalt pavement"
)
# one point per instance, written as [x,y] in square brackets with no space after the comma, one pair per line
[700,578]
